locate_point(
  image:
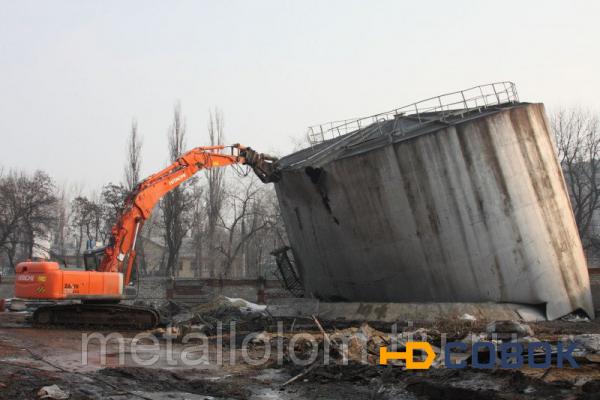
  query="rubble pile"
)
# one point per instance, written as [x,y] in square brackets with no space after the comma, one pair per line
[351,355]
[207,317]
[357,346]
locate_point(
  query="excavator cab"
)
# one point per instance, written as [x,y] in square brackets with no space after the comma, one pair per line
[92,258]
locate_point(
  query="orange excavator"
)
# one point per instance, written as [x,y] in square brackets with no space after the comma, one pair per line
[99,288]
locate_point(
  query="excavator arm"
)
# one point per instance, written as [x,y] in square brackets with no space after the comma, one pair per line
[120,254]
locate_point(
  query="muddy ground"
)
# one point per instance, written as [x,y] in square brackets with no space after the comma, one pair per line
[33,358]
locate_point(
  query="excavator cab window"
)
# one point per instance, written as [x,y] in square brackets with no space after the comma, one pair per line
[93,258]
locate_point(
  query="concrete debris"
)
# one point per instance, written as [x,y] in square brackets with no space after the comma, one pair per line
[262,337]
[361,345]
[468,317]
[168,308]
[182,318]
[53,392]
[590,342]
[246,306]
[508,329]
[224,307]
[207,317]
[575,317]
[474,338]
[358,345]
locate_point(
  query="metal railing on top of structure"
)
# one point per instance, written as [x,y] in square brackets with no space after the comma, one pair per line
[477,97]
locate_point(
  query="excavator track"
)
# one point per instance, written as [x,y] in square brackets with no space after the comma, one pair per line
[99,316]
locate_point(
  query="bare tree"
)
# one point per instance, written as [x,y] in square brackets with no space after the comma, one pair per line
[198,230]
[133,167]
[113,198]
[60,232]
[40,199]
[27,211]
[10,249]
[86,222]
[215,192]
[10,218]
[245,220]
[577,135]
[134,158]
[257,250]
[176,204]
[10,209]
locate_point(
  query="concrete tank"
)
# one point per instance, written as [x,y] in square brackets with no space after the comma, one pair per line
[467,207]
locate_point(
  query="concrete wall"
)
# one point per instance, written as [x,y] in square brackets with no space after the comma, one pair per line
[472,212]
[154,289]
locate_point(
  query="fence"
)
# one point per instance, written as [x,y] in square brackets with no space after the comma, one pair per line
[475,98]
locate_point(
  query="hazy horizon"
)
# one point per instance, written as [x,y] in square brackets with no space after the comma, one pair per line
[75,74]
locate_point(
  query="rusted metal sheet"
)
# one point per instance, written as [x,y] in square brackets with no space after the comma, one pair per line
[472,209]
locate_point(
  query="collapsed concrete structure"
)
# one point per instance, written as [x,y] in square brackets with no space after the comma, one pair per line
[458,198]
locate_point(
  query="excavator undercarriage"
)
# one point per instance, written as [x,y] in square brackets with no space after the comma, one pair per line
[96,316]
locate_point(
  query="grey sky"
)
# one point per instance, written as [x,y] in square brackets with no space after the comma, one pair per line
[73,74]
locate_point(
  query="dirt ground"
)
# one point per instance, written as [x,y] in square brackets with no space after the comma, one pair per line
[34,358]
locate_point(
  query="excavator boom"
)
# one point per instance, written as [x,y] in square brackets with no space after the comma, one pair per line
[142,200]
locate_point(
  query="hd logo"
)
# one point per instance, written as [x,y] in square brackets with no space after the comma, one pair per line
[508,355]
